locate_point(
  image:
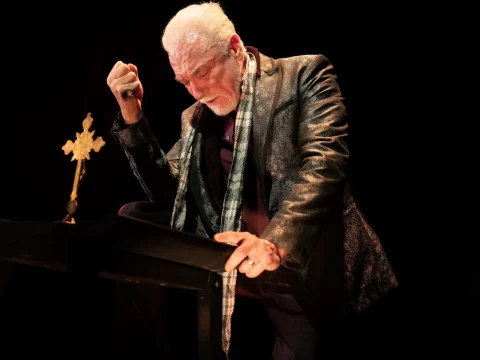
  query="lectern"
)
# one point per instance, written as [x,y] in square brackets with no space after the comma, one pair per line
[129,249]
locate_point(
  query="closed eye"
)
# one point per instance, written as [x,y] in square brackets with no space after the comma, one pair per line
[182,82]
[202,72]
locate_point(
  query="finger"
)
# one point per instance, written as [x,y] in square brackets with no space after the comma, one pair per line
[246,265]
[117,64]
[130,89]
[266,247]
[111,75]
[133,68]
[268,260]
[253,270]
[269,255]
[232,237]
[128,81]
[273,262]
[124,74]
[240,253]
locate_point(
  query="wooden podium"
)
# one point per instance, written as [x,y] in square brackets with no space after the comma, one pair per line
[131,250]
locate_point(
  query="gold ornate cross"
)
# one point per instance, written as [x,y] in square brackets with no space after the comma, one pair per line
[81,151]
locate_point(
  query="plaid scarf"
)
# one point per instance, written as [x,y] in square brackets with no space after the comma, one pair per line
[232,203]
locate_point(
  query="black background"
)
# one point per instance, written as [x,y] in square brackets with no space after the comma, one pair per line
[56,59]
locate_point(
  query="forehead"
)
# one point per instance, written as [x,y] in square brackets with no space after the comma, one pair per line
[189,58]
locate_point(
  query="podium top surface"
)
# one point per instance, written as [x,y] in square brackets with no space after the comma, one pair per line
[127,248]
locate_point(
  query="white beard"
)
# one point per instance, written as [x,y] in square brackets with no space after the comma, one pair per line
[224,109]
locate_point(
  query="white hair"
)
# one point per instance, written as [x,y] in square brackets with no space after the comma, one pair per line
[204,24]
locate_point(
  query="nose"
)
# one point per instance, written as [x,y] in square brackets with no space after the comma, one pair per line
[197,90]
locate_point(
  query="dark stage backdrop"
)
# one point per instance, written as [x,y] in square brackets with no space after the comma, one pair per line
[56,59]
[57,62]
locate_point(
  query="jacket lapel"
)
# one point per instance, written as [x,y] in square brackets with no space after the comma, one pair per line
[267,89]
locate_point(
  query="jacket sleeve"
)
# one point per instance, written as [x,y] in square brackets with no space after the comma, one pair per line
[156,171]
[317,193]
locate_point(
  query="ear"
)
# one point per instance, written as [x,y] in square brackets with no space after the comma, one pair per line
[235,47]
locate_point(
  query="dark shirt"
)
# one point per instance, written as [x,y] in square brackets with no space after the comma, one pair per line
[254,216]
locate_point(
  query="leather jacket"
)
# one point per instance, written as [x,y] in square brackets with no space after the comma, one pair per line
[300,150]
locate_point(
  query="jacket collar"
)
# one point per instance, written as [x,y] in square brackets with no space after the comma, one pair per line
[267,89]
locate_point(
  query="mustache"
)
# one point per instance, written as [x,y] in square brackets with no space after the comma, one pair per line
[208,98]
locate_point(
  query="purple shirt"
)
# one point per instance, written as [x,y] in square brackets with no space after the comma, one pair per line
[254,215]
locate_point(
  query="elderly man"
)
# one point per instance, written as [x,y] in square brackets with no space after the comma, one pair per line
[261,163]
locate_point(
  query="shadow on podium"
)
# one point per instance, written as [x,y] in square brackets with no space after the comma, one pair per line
[129,320]
[124,320]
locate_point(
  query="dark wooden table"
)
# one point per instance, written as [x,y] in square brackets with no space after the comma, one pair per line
[136,252]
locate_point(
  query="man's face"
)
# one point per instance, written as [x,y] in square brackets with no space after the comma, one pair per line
[209,77]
